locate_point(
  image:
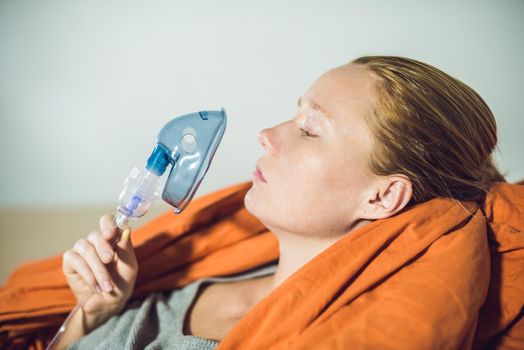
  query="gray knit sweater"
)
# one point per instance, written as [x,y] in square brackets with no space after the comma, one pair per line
[157,322]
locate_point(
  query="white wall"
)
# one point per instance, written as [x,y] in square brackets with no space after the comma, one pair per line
[86,85]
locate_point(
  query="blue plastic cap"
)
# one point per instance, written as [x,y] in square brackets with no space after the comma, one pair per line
[158,161]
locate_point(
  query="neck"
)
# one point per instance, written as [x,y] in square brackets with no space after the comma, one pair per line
[295,251]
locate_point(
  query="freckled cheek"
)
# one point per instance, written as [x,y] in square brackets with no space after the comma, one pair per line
[311,173]
[338,178]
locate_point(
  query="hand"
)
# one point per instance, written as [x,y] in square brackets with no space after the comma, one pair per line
[102,278]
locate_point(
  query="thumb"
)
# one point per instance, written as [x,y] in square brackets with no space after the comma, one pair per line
[125,265]
[125,239]
[125,259]
[124,247]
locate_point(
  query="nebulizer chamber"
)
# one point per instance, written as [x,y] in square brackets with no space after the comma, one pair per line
[139,193]
[141,189]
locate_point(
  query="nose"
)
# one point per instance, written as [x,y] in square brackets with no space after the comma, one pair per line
[265,139]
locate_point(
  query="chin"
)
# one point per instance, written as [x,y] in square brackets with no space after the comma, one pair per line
[248,201]
[254,204]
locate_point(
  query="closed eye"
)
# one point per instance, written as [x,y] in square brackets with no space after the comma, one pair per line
[306,133]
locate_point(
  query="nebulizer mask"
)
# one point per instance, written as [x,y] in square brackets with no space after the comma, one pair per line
[186,145]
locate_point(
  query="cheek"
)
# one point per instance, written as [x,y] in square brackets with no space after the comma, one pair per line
[329,191]
[307,192]
[304,197]
[295,183]
[303,174]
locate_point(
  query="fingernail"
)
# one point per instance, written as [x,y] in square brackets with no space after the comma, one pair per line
[107,286]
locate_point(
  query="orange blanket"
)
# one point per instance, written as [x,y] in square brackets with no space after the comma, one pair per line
[416,280]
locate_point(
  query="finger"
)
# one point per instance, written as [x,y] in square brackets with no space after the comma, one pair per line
[86,250]
[124,248]
[108,226]
[102,247]
[74,264]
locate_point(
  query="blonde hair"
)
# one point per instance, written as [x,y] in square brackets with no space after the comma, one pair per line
[432,128]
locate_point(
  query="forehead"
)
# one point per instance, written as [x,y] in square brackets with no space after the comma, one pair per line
[343,92]
[346,96]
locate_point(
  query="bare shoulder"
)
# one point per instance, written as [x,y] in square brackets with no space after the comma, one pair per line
[218,307]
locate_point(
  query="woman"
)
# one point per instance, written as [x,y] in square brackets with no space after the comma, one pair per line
[370,139]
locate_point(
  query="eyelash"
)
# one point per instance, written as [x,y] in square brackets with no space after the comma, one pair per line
[306,133]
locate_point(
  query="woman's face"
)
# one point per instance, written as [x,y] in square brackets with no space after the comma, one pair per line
[315,164]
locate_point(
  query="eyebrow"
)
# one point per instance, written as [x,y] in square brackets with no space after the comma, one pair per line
[313,104]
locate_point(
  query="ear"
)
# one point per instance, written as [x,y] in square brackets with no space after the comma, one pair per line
[389,196]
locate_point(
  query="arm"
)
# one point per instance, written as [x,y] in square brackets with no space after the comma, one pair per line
[87,271]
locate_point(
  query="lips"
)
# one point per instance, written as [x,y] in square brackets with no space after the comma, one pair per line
[257,174]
